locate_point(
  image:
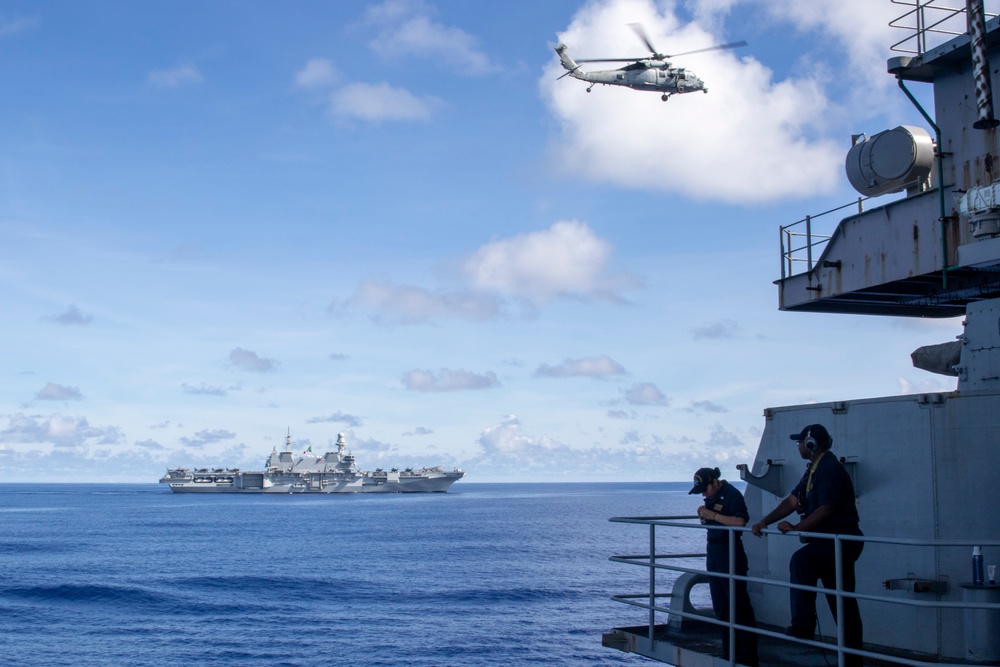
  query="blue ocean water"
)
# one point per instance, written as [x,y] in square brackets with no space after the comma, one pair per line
[487,574]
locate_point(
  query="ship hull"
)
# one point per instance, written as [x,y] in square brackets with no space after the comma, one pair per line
[334,472]
[416,485]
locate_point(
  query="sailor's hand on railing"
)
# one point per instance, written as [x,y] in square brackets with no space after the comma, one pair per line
[784,527]
[757,527]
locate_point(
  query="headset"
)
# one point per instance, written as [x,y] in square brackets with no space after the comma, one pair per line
[810,441]
[811,444]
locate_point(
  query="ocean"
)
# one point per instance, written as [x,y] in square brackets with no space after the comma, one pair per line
[487,574]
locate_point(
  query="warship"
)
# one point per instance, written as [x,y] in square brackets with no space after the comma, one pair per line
[924,466]
[334,472]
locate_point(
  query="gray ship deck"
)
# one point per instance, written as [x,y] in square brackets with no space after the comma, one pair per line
[700,645]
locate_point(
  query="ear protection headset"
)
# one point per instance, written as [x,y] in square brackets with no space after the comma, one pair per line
[810,441]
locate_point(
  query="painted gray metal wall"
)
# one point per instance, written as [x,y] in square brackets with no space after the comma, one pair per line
[924,467]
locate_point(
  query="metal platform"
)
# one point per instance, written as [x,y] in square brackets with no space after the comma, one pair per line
[700,645]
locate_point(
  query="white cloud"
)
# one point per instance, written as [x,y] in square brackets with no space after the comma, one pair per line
[645,393]
[250,361]
[58,392]
[750,139]
[175,77]
[567,259]
[317,73]
[407,304]
[508,275]
[381,102]
[337,418]
[862,29]
[58,431]
[507,450]
[409,31]
[73,315]
[596,367]
[724,328]
[207,390]
[449,380]
[207,436]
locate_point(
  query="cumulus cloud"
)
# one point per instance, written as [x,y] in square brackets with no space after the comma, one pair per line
[57,430]
[506,277]
[58,392]
[207,436]
[206,390]
[568,259]
[381,102]
[448,380]
[507,448]
[336,356]
[407,304]
[72,316]
[337,418]
[317,73]
[420,430]
[750,139]
[706,406]
[724,328]
[620,414]
[407,29]
[595,367]
[864,41]
[175,77]
[250,361]
[645,393]
[150,445]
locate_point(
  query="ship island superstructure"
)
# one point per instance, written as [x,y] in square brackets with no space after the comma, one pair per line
[333,472]
[924,466]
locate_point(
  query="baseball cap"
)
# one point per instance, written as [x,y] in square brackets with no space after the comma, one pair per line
[703,478]
[818,433]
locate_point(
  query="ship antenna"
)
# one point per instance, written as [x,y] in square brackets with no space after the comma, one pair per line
[288,439]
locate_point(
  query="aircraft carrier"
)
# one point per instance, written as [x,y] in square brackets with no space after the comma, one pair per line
[924,465]
[334,472]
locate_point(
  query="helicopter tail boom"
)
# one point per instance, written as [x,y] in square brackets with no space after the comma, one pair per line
[568,64]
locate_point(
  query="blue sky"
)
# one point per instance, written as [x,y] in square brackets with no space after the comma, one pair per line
[224,220]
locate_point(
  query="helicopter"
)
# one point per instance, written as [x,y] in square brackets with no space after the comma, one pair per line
[654,73]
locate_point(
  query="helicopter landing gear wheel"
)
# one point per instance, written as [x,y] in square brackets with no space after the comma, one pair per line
[664,97]
[588,88]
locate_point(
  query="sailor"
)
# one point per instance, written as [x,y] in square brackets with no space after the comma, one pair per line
[825,499]
[724,506]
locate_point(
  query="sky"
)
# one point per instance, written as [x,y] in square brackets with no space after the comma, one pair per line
[222,223]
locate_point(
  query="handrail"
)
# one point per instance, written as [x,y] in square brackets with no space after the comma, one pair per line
[939,14]
[790,254]
[655,562]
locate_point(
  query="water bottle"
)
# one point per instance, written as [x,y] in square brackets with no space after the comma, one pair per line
[977,566]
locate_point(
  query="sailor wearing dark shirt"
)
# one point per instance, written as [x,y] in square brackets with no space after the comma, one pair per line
[724,506]
[825,498]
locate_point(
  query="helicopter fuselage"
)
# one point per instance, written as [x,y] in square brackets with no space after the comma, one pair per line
[644,74]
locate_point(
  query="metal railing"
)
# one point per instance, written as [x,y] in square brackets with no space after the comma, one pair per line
[939,20]
[804,256]
[661,562]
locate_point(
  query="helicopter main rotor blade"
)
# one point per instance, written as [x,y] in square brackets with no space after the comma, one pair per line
[645,38]
[611,60]
[731,45]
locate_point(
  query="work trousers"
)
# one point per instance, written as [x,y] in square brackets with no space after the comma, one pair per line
[717,560]
[814,562]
